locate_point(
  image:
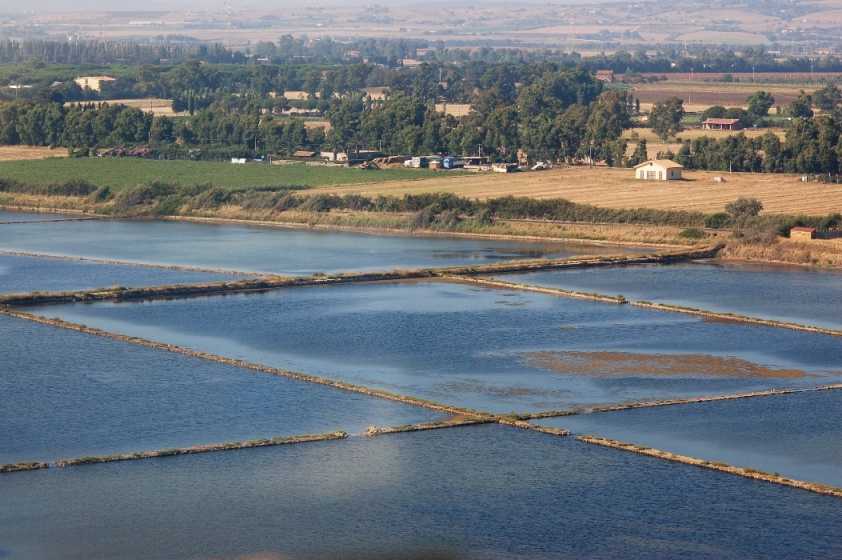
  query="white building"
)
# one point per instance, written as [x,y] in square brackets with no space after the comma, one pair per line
[658,170]
[93,83]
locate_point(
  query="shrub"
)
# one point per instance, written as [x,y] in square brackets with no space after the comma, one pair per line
[718,221]
[692,233]
[744,208]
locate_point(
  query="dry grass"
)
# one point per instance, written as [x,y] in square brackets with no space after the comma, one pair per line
[617,188]
[21,153]
[819,252]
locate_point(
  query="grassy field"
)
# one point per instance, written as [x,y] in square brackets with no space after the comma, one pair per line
[617,188]
[122,173]
[24,153]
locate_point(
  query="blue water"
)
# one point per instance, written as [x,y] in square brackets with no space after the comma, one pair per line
[772,292]
[28,274]
[66,394]
[485,492]
[461,345]
[257,249]
[795,435]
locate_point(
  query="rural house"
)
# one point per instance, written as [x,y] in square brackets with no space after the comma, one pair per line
[93,83]
[457,110]
[802,233]
[722,124]
[658,170]
[606,76]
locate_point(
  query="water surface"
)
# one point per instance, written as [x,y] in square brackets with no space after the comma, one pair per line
[6,216]
[485,492]
[65,394]
[796,435]
[261,249]
[772,292]
[20,274]
[470,346]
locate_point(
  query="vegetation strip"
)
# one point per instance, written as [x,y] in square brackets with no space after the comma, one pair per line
[209,448]
[674,402]
[268,283]
[48,221]
[734,317]
[119,262]
[722,467]
[298,376]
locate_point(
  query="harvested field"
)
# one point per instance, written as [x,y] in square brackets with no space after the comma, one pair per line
[23,153]
[617,188]
[654,145]
[624,364]
[699,95]
[151,105]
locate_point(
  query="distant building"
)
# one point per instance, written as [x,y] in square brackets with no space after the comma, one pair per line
[292,95]
[93,83]
[457,110]
[379,93]
[658,170]
[411,62]
[605,76]
[722,124]
[802,233]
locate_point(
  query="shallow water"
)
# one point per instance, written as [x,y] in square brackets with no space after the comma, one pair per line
[28,217]
[480,492]
[464,345]
[796,435]
[260,249]
[771,292]
[28,274]
[65,394]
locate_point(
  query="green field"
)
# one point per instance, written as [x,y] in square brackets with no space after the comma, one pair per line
[121,173]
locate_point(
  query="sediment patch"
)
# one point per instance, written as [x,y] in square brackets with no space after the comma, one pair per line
[722,467]
[626,364]
[174,452]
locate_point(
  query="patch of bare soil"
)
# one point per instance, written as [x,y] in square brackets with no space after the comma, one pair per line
[622,364]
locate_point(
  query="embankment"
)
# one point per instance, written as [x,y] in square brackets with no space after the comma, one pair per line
[722,467]
[243,364]
[492,283]
[736,318]
[675,402]
[275,282]
[453,422]
[174,452]
[119,262]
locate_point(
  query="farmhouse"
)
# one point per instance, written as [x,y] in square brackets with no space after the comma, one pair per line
[379,93]
[802,233]
[722,124]
[93,83]
[658,170]
[457,110]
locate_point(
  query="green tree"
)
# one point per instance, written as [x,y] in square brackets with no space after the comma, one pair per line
[665,117]
[759,104]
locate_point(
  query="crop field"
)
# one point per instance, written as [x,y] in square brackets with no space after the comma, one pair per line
[23,153]
[122,173]
[617,188]
[699,95]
